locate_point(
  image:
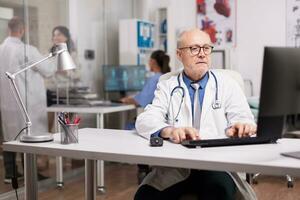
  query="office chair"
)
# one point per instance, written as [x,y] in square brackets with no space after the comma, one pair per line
[291,131]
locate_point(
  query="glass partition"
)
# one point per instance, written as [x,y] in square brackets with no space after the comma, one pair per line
[92,30]
[7,10]
[28,38]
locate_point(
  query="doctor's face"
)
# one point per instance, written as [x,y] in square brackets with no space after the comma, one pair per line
[194,51]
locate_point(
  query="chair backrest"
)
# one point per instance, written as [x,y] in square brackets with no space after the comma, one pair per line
[169,74]
[234,75]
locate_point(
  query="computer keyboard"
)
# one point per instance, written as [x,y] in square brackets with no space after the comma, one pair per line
[225,142]
[295,154]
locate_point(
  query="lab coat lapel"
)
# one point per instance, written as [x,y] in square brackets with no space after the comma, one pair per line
[209,94]
[187,104]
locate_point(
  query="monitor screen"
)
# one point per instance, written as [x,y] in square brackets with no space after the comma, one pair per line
[124,77]
[280,89]
[280,85]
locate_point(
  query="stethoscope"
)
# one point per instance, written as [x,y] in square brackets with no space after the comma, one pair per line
[215,105]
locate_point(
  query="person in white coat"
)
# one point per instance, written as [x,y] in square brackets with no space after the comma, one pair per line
[14,53]
[179,112]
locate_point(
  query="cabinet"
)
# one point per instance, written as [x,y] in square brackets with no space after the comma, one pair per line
[136,41]
[162,23]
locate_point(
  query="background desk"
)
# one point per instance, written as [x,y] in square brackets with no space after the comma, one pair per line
[127,146]
[99,111]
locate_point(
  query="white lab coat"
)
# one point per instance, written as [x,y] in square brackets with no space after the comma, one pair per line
[12,55]
[213,122]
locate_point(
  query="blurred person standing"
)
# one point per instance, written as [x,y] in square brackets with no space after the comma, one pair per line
[13,54]
[61,34]
[63,79]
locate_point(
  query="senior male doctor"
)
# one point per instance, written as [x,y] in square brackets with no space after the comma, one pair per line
[32,89]
[196,103]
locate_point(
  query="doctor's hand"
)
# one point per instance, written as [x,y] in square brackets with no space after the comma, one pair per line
[241,130]
[177,135]
[128,100]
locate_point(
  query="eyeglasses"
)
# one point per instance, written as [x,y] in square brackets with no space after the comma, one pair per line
[196,49]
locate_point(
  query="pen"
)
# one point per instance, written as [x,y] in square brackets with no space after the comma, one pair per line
[67,120]
[66,117]
[61,120]
[66,136]
[77,120]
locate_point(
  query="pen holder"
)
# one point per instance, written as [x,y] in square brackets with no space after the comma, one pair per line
[69,134]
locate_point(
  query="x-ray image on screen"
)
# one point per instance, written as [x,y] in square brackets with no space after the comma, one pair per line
[124,77]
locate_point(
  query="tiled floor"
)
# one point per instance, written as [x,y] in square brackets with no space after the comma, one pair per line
[43,169]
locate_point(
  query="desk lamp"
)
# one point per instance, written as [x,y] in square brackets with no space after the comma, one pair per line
[64,62]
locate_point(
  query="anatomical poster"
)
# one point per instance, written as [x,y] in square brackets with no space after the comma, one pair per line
[293,23]
[218,19]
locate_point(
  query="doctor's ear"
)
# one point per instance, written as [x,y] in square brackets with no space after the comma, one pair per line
[179,54]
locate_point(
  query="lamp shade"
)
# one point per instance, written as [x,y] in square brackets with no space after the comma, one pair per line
[64,59]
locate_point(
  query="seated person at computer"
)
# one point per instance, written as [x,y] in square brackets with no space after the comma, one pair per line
[217,109]
[159,64]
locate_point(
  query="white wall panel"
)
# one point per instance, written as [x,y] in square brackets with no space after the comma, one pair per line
[95,25]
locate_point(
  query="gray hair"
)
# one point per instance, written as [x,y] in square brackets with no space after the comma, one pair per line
[179,39]
[180,33]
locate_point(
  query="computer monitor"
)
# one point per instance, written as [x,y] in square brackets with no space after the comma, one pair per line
[280,89]
[123,78]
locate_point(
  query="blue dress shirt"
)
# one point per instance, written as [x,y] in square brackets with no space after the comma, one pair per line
[202,82]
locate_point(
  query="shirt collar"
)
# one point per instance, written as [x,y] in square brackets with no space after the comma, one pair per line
[202,82]
[15,39]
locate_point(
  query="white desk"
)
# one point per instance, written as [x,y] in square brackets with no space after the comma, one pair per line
[99,111]
[126,146]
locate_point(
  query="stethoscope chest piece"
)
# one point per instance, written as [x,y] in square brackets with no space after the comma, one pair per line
[216,104]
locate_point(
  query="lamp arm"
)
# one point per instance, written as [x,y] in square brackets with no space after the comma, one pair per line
[31,65]
[12,77]
[19,99]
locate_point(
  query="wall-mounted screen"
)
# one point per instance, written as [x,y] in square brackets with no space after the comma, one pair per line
[124,77]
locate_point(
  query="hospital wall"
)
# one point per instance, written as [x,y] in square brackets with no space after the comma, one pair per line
[259,23]
[94,25]
[43,17]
